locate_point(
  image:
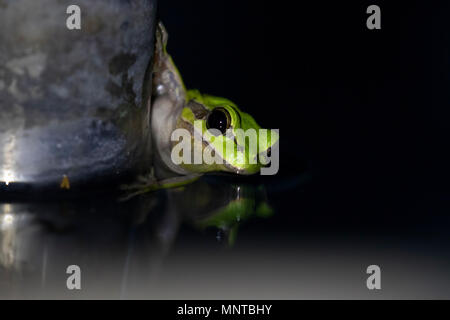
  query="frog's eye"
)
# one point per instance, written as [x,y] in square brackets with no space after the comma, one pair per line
[219,119]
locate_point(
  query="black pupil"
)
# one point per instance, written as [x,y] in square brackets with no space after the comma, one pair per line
[218,120]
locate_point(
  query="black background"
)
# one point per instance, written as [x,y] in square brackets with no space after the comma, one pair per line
[364,110]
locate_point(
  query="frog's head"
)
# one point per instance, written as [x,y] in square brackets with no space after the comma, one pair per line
[232,139]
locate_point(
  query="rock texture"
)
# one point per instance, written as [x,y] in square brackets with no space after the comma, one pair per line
[74,102]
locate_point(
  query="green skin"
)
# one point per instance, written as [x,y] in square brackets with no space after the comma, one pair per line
[233,214]
[173,107]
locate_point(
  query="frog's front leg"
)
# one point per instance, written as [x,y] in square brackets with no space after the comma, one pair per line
[149,183]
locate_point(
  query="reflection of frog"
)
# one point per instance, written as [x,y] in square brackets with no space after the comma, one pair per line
[228,218]
[211,203]
[212,122]
[125,242]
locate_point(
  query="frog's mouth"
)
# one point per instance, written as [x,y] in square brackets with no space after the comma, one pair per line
[237,170]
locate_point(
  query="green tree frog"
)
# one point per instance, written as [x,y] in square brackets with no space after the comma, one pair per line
[174,107]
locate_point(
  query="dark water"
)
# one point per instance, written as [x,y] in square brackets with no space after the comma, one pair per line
[223,237]
[140,247]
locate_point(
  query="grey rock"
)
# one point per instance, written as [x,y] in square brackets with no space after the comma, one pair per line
[74,102]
